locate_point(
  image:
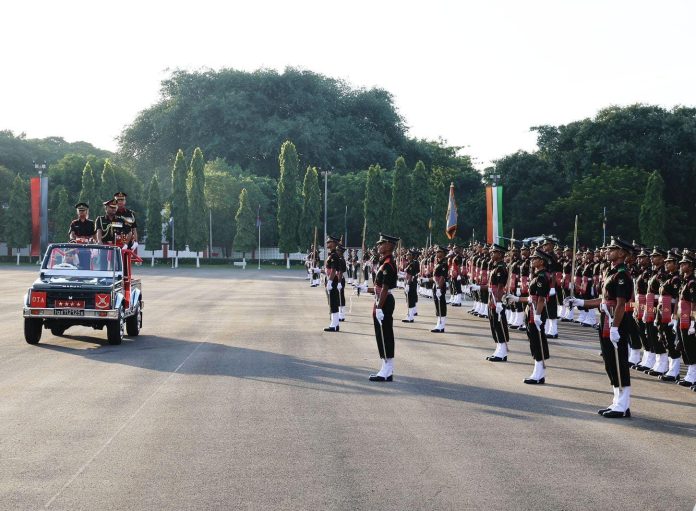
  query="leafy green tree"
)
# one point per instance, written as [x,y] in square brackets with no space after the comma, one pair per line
[401,202]
[88,193]
[347,189]
[109,185]
[244,238]
[377,204]
[653,213]
[289,200]
[18,221]
[179,202]
[311,208]
[421,202]
[153,228]
[198,217]
[63,216]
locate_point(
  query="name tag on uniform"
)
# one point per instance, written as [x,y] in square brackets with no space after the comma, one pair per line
[117,224]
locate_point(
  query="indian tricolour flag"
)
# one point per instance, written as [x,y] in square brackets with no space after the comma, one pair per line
[494,213]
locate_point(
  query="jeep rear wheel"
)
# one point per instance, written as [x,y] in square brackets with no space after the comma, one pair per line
[115,329]
[32,330]
[135,322]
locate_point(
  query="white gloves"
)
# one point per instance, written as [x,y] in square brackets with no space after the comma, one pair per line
[511,298]
[406,288]
[537,320]
[673,324]
[438,293]
[614,334]
[692,329]
[379,314]
[518,292]
[475,287]
[329,285]
[552,291]
[576,302]
[459,278]
[339,286]
[498,307]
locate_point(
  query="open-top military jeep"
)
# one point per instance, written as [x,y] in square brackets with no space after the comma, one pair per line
[84,284]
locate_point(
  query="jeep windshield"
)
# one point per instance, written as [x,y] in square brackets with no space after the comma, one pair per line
[89,264]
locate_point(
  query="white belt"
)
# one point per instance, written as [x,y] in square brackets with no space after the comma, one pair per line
[390,291]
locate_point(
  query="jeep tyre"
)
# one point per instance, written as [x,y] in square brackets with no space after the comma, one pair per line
[115,329]
[32,330]
[135,322]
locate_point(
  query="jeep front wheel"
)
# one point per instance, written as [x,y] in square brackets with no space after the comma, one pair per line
[135,322]
[115,329]
[32,330]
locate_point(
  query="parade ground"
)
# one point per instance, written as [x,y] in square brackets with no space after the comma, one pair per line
[233,397]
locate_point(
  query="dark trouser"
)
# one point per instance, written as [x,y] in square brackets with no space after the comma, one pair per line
[643,333]
[440,303]
[457,287]
[655,346]
[538,344]
[609,356]
[686,344]
[484,295]
[385,332]
[412,295]
[342,292]
[667,339]
[366,272]
[634,340]
[552,306]
[334,297]
[499,326]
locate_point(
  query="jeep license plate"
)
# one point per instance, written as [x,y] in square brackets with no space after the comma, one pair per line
[69,312]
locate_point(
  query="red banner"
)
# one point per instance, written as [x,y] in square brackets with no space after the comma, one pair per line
[35,217]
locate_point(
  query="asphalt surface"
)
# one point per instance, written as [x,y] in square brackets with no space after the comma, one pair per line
[233,397]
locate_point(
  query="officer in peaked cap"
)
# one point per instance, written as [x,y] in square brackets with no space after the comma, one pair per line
[411,283]
[497,281]
[343,267]
[556,273]
[82,228]
[128,216]
[686,332]
[669,295]
[332,269]
[383,310]
[440,288]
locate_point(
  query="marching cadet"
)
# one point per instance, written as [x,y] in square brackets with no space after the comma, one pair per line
[513,286]
[658,275]
[128,218]
[383,310]
[455,272]
[687,307]
[440,289]
[82,228]
[555,271]
[332,269]
[410,283]
[497,281]
[340,249]
[539,287]
[589,289]
[643,275]
[669,295]
[523,288]
[567,264]
[616,291]
[634,339]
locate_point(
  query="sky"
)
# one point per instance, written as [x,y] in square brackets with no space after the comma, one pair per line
[477,74]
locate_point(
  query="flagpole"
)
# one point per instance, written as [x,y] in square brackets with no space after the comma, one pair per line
[258,223]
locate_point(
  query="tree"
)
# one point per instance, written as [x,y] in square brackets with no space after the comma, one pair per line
[64,214]
[197,214]
[401,202]
[18,221]
[289,201]
[311,207]
[109,185]
[421,202]
[244,239]
[89,189]
[153,227]
[377,204]
[653,213]
[179,202]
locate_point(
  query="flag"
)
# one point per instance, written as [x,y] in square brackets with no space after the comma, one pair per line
[451,229]
[494,213]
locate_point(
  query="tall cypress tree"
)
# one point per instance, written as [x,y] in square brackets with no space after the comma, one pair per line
[88,193]
[18,218]
[197,217]
[376,204]
[311,207]
[653,213]
[401,202]
[244,238]
[419,212]
[154,216]
[63,216]
[109,184]
[179,203]
[289,200]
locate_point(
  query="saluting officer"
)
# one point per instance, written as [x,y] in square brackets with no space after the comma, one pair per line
[332,268]
[383,310]
[617,289]
[411,283]
[440,289]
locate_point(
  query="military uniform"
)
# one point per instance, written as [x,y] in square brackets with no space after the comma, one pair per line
[439,291]
[412,272]
[686,333]
[383,311]
[343,266]
[642,278]
[667,329]
[497,281]
[332,268]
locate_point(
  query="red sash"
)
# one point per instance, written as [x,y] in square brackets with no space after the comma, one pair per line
[524,284]
[484,278]
[611,305]
[649,308]
[641,306]
[684,314]
[513,282]
[666,303]
[559,278]
[584,285]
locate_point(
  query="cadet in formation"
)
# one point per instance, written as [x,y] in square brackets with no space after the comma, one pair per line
[383,309]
